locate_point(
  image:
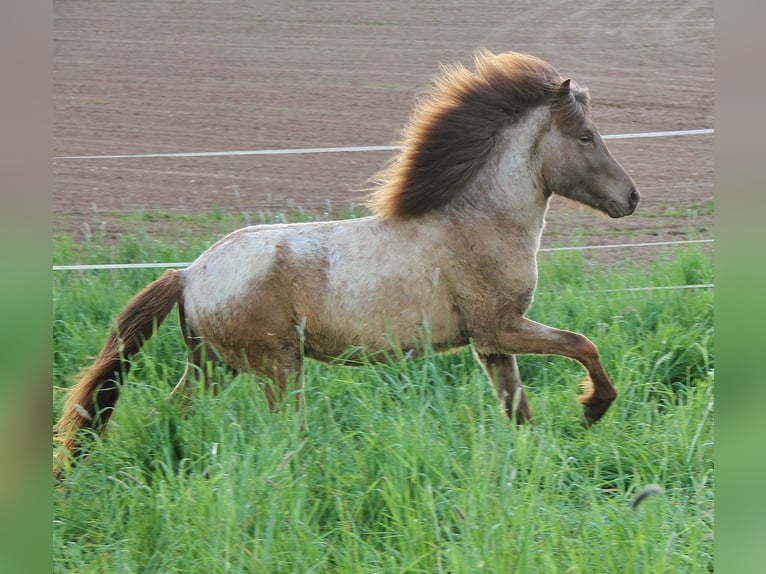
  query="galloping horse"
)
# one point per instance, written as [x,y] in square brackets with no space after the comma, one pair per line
[448,256]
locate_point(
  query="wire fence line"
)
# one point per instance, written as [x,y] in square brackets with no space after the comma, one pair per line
[107,266]
[344,149]
[259,209]
[635,289]
[623,245]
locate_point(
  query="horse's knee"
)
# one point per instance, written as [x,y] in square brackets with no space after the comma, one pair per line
[583,348]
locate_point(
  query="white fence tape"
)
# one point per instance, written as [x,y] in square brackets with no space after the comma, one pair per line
[349,149]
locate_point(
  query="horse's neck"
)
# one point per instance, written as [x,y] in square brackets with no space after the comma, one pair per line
[509,190]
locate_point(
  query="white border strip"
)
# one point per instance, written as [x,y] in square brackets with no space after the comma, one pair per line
[313,150]
[102,266]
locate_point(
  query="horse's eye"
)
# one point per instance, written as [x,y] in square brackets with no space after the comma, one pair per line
[586,138]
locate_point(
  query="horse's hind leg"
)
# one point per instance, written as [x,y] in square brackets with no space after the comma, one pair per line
[282,376]
[201,363]
[503,373]
[197,371]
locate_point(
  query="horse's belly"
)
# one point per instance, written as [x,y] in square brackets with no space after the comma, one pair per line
[363,330]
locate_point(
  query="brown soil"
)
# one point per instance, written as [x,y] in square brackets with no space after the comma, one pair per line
[143,77]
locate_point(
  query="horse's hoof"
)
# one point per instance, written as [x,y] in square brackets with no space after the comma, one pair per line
[593,414]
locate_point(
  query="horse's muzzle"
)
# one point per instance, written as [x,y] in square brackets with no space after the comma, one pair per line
[615,209]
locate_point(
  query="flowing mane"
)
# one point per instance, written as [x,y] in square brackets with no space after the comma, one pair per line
[452,129]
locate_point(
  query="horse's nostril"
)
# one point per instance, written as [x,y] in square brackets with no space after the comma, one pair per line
[633,198]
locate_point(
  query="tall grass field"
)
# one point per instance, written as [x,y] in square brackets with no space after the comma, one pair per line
[403,467]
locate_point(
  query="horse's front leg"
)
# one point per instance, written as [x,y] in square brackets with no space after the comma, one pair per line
[503,373]
[529,337]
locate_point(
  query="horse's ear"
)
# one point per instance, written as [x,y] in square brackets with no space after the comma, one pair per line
[563,93]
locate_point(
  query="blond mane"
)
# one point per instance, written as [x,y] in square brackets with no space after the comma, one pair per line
[452,129]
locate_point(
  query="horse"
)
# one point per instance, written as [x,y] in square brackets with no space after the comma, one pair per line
[448,256]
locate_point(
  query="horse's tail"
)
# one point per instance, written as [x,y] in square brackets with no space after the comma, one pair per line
[91,401]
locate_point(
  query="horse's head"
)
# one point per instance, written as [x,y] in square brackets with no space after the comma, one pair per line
[576,162]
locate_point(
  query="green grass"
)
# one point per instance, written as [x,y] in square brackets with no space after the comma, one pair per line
[404,467]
